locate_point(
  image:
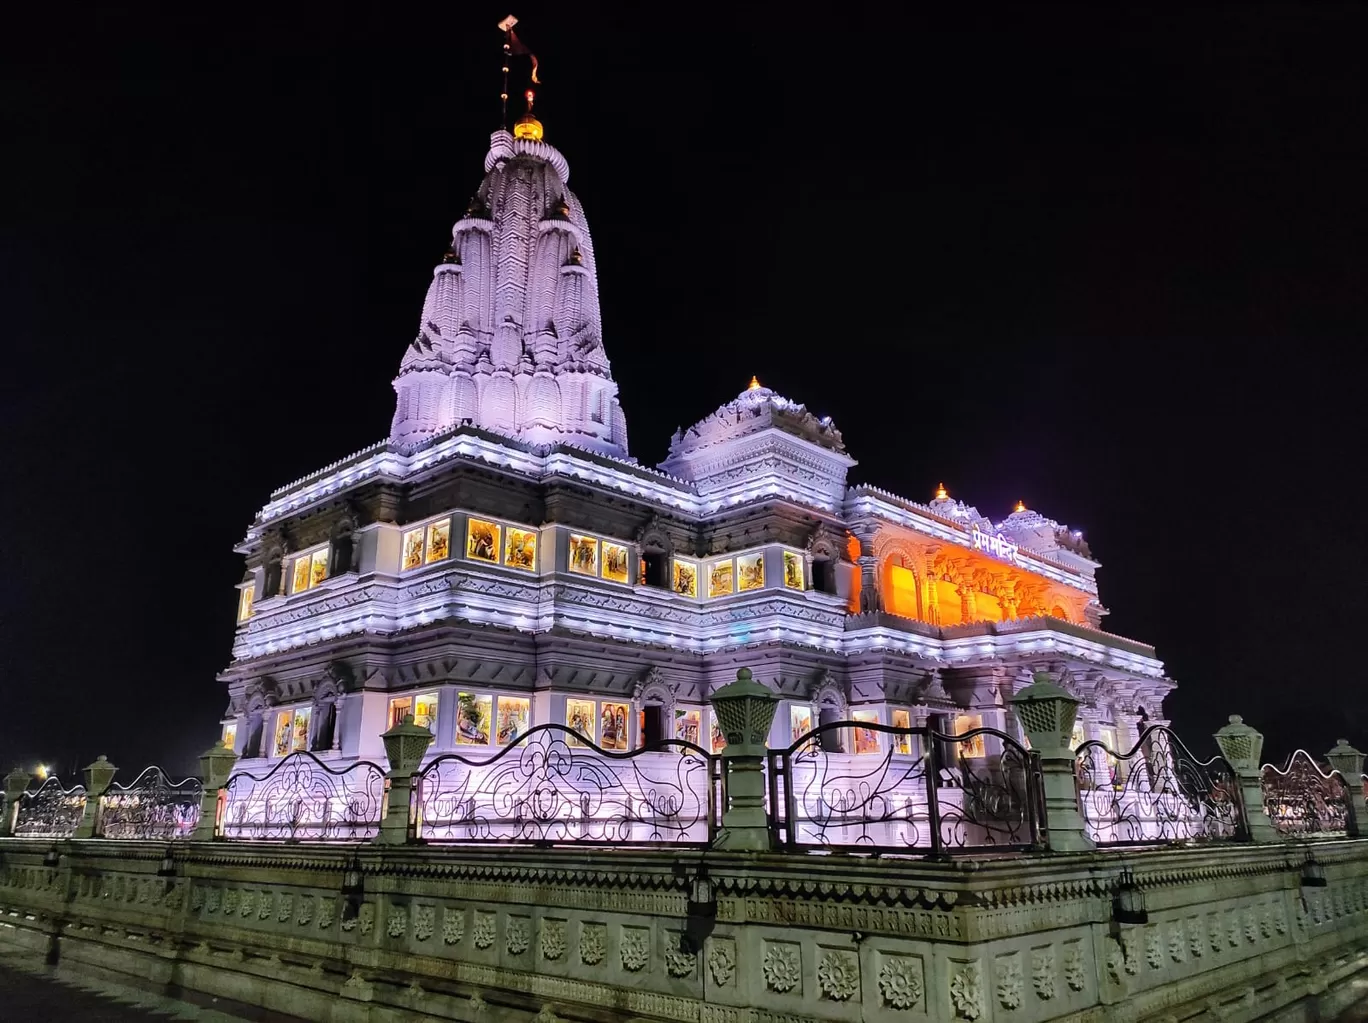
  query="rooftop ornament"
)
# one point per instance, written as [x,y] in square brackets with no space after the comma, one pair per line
[941,493]
[754,385]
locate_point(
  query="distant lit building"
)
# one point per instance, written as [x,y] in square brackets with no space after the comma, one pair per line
[500,561]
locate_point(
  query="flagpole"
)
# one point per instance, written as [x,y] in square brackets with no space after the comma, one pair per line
[507,26]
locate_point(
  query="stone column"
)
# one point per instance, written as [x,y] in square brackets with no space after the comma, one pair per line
[871,596]
[405,745]
[98,777]
[216,766]
[16,784]
[1046,713]
[1242,745]
[1349,763]
[745,710]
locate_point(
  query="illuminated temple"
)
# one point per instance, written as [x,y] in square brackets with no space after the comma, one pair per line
[500,560]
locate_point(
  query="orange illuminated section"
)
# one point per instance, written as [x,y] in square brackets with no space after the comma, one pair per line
[933,582]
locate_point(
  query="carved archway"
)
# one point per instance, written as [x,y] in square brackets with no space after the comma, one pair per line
[655,549]
[825,550]
[325,698]
[655,694]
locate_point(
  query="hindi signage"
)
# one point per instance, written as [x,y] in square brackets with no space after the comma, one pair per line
[995,544]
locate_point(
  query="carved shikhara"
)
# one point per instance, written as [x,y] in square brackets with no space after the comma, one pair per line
[788,931]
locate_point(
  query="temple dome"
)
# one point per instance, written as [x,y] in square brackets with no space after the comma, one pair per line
[516,294]
[755,409]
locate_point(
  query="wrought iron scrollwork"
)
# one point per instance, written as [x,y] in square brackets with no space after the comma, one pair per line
[152,807]
[50,811]
[1157,792]
[1300,799]
[996,801]
[303,799]
[554,786]
[911,790]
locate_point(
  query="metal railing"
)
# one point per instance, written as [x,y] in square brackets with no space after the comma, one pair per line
[303,799]
[554,786]
[917,790]
[1302,800]
[152,807]
[50,811]
[1157,792]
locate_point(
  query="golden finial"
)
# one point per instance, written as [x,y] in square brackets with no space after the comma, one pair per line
[941,493]
[528,127]
[754,385]
[1020,506]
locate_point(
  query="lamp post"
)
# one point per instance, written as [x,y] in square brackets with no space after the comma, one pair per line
[405,745]
[1242,746]
[16,784]
[1349,763]
[98,777]
[745,711]
[216,767]
[1047,714]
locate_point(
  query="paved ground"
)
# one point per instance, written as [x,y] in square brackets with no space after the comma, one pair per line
[33,993]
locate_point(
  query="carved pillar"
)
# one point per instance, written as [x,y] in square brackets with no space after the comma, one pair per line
[98,777]
[932,592]
[1047,715]
[968,604]
[871,599]
[16,784]
[744,710]
[1242,745]
[405,745]
[1349,763]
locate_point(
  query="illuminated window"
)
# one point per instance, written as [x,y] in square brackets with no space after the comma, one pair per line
[230,735]
[300,740]
[413,548]
[583,555]
[800,721]
[972,747]
[902,743]
[685,578]
[866,739]
[425,711]
[245,599]
[793,571]
[717,740]
[482,541]
[750,572]
[309,570]
[438,540]
[614,562]
[399,708]
[284,732]
[687,724]
[473,718]
[613,726]
[1078,736]
[521,549]
[515,716]
[579,717]
[721,579]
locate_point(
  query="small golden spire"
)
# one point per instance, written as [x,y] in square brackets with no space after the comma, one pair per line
[754,385]
[1020,506]
[941,493]
[528,127]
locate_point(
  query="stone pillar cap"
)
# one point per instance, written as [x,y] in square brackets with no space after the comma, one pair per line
[1342,746]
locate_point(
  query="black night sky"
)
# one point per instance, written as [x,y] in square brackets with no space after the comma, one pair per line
[1112,263]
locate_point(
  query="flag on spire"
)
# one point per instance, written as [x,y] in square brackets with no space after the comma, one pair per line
[515,45]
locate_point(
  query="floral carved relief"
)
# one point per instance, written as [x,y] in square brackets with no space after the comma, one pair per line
[284,906]
[780,966]
[1214,933]
[722,960]
[326,908]
[397,924]
[1154,951]
[211,900]
[1251,926]
[367,917]
[1074,974]
[483,932]
[1043,973]
[518,937]
[593,943]
[1196,942]
[678,962]
[838,975]
[305,912]
[453,926]
[1177,943]
[1010,987]
[900,982]
[552,939]
[423,921]
[264,906]
[966,991]
[634,948]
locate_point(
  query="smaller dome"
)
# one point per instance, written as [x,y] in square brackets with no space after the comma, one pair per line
[528,127]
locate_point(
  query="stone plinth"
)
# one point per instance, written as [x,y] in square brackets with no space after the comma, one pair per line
[98,777]
[1242,746]
[216,767]
[745,710]
[1349,763]
[405,745]
[1047,714]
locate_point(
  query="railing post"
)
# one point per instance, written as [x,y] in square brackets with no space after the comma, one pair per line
[216,766]
[933,770]
[16,784]
[1349,763]
[405,745]
[1242,746]
[98,777]
[745,711]
[1047,714]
